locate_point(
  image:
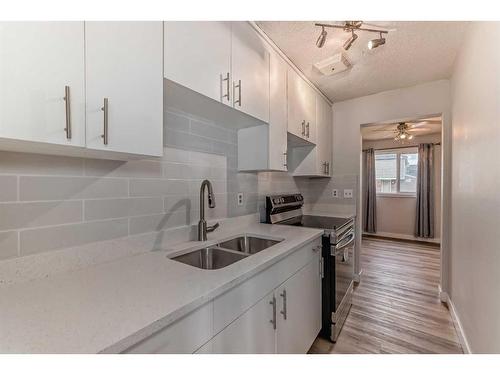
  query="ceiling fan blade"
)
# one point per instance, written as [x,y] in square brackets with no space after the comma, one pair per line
[419,129]
[425,122]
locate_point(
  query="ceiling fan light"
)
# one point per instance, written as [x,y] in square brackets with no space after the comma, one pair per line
[410,136]
[322,38]
[403,136]
[349,42]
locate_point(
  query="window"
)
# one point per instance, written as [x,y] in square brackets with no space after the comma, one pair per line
[396,171]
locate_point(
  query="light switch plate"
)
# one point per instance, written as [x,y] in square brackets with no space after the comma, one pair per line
[240,199]
[335,193]
[347,193]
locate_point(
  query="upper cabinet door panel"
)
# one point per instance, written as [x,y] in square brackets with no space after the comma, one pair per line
[301,107]
[124,64]
[250,71]
[37,61]
[324,138]
[198,56]
[277,113]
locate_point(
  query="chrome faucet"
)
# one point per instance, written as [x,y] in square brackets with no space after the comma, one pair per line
[203,229]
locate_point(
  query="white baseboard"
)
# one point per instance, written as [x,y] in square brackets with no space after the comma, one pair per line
[458,326]
[357,276]
[401,236]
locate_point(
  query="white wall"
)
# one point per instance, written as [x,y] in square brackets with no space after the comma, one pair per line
[396,215]
[475,257]
[401,104]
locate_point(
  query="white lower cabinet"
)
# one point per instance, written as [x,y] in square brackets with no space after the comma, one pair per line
[253,332]
[286,320]
[276,311]
[185,335]
[299,310]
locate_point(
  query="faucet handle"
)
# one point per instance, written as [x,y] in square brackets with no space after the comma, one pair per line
[211,228]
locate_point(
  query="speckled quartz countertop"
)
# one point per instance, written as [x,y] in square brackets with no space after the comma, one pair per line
[111,306]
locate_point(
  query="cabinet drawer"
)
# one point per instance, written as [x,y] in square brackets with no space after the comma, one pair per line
[183,336]
[236,301]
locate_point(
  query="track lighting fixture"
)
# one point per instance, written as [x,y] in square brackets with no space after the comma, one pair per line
[322,38]
[349,42]
[374,43]
[352,27]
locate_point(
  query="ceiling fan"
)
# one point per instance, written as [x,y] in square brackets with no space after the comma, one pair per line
[404,130]
[352,27]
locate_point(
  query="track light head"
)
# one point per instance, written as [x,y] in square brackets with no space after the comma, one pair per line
[322,38]
[374,43]
[349,42]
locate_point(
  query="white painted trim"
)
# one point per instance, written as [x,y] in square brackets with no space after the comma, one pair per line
[278,50]
[458,327]
[357,276]
[400,236]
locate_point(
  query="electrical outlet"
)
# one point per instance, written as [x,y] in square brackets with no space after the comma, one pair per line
[240,199]
[335,193]
[347,193]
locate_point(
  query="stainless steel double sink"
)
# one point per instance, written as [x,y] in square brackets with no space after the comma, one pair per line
[225,253]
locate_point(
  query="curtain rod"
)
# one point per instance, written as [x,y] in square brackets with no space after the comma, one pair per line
[394,148]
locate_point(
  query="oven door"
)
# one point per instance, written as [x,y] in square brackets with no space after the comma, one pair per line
[344,267]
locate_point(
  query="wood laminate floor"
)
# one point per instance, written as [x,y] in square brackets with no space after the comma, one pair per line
[396,308]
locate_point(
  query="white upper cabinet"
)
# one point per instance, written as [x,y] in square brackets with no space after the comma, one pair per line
[124,75]
[271,153]
[315,161]
[278,114]
[197,55]
[250,71]
[301,107]
[324,136]
[42,95]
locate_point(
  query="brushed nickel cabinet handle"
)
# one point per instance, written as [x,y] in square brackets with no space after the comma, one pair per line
[303,128]
[283,295]
[222,80]
[284,160]
[328,167]
[237,86]
[104,108]
[307,130]
[273,320]
[67,105]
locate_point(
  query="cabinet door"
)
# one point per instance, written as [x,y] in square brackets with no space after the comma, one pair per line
[198,56]
[324,139]
[278,114]
[37,61]
[250,71]
[124,64]
[301,107]
[299,310]
[251,333]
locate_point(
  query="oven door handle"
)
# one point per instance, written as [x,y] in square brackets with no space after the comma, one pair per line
[347,240]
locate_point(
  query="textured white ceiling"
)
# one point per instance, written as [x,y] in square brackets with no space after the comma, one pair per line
[417,127]
[415,52]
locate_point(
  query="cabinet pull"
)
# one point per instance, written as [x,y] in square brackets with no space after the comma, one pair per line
[237,86]
[67,105]
[283,312]
[303,128]
[222,80]
[307,130]
[104,108]
[273,320]
[324,167]
[328,167]
[284,160]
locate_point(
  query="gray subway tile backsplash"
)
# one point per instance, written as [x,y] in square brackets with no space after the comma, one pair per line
[62,236]
[8,188]
[37,188]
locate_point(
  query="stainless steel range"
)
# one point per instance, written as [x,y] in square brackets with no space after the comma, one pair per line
[337,256]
